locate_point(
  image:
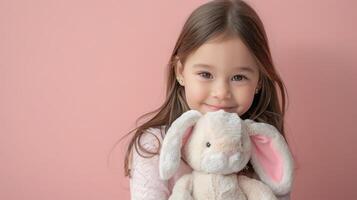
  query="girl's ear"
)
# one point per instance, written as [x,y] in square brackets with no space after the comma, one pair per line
[271,157]
[170,153]
[178,70]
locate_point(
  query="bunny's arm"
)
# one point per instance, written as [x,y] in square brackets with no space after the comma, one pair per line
[254,189]
[183,188]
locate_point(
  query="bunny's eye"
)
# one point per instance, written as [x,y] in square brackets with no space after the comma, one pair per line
[208,144]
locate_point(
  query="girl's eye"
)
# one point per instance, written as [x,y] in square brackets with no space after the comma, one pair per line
[205,74]
[239,77]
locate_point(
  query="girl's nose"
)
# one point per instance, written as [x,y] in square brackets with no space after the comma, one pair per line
[222,90]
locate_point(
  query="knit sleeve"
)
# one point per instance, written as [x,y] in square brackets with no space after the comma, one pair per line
[145,182]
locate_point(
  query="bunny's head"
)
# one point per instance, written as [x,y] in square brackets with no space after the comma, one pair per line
[222,143]
[218,144]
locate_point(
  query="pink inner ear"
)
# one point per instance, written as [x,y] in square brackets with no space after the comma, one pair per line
[268,157]
[186,135]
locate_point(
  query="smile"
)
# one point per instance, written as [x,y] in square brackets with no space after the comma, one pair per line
[217,107]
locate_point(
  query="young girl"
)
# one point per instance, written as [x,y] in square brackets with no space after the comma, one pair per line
[221,60]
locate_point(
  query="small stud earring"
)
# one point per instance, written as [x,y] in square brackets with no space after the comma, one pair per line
[256,91]
[180,81]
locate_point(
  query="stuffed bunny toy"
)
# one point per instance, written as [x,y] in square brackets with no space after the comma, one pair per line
[217,146]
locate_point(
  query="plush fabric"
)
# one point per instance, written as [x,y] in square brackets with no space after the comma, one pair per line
[219,146]
[145,183]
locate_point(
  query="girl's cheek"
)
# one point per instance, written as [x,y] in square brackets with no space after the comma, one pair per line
[197,91]
[194,83]
[202,88]
[242,93]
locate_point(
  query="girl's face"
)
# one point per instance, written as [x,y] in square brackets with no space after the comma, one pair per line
[220,75]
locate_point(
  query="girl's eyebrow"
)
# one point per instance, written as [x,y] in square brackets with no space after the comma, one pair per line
[240,68]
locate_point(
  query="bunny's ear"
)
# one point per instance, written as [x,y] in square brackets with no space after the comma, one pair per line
[271,157]
[170,153]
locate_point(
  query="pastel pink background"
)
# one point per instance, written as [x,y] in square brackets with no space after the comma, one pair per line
[75,75]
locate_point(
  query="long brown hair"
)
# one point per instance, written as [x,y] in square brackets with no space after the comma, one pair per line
[231,18]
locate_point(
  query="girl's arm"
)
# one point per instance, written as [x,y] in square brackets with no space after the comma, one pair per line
[145,182]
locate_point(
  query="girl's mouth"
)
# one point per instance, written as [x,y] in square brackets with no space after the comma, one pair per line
[212,107]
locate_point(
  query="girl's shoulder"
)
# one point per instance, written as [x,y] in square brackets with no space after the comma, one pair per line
[153,133]
[151,138]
